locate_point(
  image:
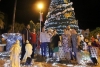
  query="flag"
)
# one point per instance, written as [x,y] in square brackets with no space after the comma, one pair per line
[41,16]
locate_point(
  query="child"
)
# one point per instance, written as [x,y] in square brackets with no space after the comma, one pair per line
[61,52]
[93,54]
[56,52]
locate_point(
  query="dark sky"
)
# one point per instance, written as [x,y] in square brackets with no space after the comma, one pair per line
[87,12]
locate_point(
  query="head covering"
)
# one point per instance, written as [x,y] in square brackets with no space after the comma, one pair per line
[27,41]
[17,42]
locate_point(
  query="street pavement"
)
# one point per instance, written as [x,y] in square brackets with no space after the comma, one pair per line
[98,62]
[39,60]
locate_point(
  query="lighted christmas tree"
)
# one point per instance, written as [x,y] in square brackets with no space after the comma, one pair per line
[60,15]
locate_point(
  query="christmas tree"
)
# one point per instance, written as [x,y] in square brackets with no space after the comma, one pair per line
[60,15]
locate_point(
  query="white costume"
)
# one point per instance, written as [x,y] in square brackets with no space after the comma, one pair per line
[14,54]
[28,49]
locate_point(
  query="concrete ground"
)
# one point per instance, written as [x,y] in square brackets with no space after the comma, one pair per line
[45,62]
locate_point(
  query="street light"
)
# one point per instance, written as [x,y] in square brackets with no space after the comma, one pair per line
[40,6]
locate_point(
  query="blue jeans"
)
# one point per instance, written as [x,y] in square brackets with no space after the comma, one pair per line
[50,51]
[44,48]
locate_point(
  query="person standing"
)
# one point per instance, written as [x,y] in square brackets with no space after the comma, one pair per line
[33,41]
[43,42]
[74,40]
[25,36]
[49,36]
[66,43]
[54,44]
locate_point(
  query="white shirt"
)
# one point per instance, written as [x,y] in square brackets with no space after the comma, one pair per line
[43,37]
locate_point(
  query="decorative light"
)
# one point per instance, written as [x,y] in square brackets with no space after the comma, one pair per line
[40,6]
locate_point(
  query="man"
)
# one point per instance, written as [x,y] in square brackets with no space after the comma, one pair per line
[25,36]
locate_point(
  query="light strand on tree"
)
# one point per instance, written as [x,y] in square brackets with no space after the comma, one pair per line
[61,15]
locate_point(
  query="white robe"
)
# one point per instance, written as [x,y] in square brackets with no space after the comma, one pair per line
[28,53]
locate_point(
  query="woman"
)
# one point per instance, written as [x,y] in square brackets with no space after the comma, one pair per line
[54,41]
[74,40]
[33,36]
[66,43]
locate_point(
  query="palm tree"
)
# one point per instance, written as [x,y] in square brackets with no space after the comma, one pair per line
[94,32]
[1,20]
[37,27]
[32,25]
[1,24]
[18,27]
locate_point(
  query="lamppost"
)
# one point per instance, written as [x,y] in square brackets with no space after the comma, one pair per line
[40,6]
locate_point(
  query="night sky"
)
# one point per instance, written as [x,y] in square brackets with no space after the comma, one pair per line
[87,12]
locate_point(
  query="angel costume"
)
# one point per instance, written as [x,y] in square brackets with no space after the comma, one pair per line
[28,52]
[14,54]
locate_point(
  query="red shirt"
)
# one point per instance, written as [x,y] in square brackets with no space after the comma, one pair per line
[33,38]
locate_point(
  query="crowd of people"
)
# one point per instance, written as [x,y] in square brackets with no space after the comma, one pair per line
[68,45]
